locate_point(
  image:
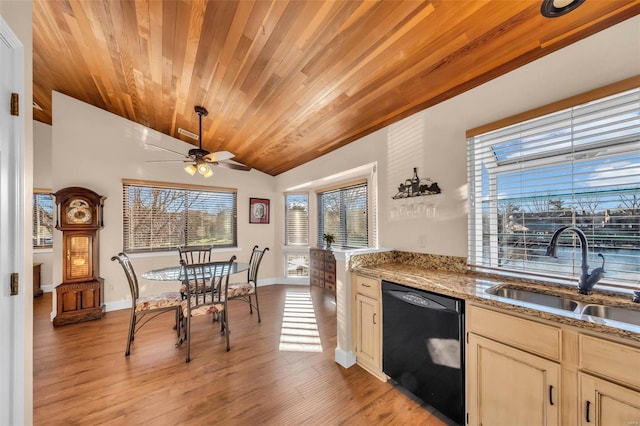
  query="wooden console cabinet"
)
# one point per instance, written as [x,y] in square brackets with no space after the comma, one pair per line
[37,287]
[322,269]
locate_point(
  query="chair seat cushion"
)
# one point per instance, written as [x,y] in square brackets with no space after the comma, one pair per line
[158,301]
[240,289]
[205,305]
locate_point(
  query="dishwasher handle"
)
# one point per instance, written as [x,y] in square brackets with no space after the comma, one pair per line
[417,300]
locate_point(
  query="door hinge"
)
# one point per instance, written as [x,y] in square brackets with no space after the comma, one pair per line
[15,280]
[15,104]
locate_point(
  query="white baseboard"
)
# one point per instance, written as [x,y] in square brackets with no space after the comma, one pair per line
[47,288]
[344,358]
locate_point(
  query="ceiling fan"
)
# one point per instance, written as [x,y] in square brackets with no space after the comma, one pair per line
[201,160]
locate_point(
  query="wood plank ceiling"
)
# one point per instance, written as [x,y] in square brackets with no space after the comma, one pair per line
[288,81]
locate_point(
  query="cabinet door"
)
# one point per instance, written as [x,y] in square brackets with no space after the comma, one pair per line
[604,403]
[368,345]
[507,386]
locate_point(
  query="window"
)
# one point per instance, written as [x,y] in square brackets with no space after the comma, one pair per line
[296,219]
[163,216]
[42,219]
[579,167]
[343,212]
[297,265]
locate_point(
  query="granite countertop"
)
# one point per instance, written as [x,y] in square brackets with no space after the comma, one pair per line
[471,287]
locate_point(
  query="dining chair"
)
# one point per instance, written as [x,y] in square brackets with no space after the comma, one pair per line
[145,306]
[245,291]
[195,254]
[205,288]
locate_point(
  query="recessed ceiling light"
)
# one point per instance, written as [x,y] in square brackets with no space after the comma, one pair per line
[555,8]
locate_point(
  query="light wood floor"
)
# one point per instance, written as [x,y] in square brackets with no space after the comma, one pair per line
[81,376]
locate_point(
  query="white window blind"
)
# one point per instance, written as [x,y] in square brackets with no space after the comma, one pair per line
[343,212]
[296,219]
[42,215]
[158,217]
[579,167]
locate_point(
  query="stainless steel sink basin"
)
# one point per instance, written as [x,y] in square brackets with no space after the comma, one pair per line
[548,300]
[613,313]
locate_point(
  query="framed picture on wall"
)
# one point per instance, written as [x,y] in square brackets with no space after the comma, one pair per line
[258,210]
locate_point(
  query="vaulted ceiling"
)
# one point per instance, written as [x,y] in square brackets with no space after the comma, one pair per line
[287,81]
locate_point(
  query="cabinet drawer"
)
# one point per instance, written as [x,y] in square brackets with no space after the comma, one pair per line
[613,360]
[329,257]
[531,336]
[316,282]
[330,267]
[329,277]
[368,287]
[316,254]
[317,264]
[330,286]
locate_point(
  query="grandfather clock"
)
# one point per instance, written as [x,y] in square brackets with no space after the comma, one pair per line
[80,295]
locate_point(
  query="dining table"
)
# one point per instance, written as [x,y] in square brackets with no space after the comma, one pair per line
[175,273]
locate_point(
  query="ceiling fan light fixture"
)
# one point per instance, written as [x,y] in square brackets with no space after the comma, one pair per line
[556,8]
[191,169]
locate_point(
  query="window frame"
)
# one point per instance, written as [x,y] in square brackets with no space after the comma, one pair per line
[342,237]
[287,236]
[37,193]
[188,189]
[616,148]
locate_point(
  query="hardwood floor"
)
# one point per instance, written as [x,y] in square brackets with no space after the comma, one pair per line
[81,376]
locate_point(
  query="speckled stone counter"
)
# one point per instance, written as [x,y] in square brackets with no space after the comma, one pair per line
[449,276]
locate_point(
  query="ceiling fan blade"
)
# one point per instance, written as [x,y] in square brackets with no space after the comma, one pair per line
[164,149]
[233,165]
[218,156]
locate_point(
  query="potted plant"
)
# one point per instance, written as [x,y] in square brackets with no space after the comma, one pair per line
[329,239]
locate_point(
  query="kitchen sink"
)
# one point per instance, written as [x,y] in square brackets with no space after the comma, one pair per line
[522,295]
[614,313]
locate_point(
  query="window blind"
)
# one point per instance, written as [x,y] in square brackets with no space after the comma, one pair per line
[343,212]
[42,216]
[296,219]
[158,217]
[579,167]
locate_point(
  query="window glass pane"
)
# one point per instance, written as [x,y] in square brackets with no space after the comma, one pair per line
[343,212]
[157,218]
[579,167]
[296,219]
[42,220]
[297,265]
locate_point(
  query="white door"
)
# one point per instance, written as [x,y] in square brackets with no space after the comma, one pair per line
[11,225]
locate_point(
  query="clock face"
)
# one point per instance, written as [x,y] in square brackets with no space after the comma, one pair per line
[78,212]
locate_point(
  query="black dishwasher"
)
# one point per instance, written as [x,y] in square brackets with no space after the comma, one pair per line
[422,346]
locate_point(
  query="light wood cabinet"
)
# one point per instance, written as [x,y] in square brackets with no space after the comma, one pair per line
[613,398]
[507,386]
[512,378]
[368,324]
[605,403]
[522,371]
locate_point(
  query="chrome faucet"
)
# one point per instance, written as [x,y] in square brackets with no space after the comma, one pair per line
[587,281]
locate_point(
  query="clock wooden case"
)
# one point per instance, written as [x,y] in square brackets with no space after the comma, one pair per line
[79,216]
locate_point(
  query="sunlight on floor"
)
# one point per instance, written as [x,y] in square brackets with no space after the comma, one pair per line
[299,328]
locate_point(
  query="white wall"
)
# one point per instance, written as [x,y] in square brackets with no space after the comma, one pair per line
[96,149]
[42,180]
[434,140]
